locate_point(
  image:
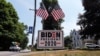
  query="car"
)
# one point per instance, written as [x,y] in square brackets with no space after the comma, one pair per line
[14,48]
[91,45]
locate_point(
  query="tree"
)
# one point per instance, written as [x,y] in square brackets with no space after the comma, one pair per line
[68,42]
[11,30]
[90,20]
[50,23]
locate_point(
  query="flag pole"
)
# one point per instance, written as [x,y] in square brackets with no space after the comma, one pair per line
[34,24]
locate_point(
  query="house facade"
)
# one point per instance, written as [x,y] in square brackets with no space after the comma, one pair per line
[76,39]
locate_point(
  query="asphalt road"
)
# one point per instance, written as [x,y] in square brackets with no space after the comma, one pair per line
[8,53]
[14,53]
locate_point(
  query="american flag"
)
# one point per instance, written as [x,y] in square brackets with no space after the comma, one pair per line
[42,12]
[57,12]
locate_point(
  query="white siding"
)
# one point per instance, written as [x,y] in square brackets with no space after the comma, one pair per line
[76,39]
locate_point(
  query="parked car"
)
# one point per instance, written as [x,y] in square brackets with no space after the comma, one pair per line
[14,48]
[91,45]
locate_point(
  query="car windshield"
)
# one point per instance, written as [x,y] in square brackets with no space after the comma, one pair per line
[89,44]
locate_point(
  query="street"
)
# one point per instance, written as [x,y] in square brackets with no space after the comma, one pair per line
[13,53]
[8,53]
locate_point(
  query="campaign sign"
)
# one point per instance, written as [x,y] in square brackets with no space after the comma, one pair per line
[50,39]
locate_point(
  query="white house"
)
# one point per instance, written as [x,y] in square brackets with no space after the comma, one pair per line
[76,39]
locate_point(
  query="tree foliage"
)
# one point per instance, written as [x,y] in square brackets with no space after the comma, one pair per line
[68,41]
[90,20]
[50,23]
[11,30]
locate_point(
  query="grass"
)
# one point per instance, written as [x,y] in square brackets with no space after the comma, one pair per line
[66,53]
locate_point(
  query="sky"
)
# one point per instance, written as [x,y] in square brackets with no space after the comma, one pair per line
[71,9]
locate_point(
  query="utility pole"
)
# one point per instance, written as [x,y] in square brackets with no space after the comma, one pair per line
[34,24]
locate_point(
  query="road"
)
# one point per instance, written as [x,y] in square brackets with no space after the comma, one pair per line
[14,53]
[8,53]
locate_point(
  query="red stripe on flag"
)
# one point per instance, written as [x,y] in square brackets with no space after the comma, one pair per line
[42,12]
[57,12]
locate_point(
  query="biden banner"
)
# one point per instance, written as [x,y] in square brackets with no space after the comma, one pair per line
[50,39]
